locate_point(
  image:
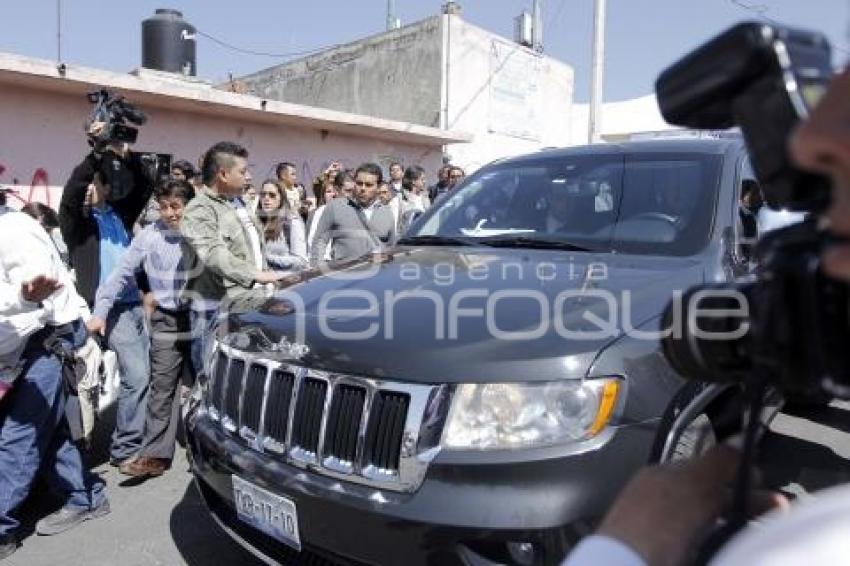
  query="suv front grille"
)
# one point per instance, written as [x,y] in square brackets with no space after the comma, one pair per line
[358,429]
[384,436]
[307,423]
[232,391]
[278,402]
[344,424]
[219,379]
[255,385]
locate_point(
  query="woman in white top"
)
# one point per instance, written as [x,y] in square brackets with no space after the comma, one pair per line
[283,230]
[413,199]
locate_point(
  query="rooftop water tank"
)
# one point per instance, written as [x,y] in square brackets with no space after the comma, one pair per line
[168,43]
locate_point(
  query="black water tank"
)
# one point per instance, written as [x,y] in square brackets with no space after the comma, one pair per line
[168,43]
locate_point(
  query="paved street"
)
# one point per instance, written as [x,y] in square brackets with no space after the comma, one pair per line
[162,522]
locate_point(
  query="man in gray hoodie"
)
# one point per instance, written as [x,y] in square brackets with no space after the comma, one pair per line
[358,224]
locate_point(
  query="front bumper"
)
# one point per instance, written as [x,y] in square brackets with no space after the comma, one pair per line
[465,511]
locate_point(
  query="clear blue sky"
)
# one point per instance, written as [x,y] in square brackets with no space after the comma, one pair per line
[643,36]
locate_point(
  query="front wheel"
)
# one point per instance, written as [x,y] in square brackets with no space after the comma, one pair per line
[696,439]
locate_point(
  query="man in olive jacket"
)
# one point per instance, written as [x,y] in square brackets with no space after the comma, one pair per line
[222,243]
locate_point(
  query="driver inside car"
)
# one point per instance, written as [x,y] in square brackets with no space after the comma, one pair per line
[669,201]
[571,208]
[558,211]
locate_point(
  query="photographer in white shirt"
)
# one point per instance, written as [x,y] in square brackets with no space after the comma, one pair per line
[40,310]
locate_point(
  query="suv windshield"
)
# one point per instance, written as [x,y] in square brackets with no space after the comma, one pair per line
[645,203]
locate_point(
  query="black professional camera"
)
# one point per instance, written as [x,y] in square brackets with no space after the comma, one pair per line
[114,112]
[122,173]
[790,323]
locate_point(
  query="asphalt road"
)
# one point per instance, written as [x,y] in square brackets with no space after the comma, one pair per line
[163,522]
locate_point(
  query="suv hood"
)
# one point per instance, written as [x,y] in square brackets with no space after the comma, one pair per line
[448,315]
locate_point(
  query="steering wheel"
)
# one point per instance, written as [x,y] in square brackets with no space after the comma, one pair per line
[655,216]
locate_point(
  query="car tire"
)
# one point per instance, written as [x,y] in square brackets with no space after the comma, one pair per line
[696,439]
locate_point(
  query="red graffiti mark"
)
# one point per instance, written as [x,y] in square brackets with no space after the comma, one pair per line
[39,180]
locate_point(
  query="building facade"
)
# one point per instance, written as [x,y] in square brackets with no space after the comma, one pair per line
[43,109]
[441,72]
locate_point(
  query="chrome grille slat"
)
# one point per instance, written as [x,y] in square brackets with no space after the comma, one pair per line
[277,401]
[356,429]
[219,376]
[307,423]
[343,426]
[384,435]
[251,411]
[233,393]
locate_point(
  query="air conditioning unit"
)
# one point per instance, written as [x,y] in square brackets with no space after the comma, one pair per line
[523,29]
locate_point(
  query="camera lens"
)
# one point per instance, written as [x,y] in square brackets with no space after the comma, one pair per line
[709,333]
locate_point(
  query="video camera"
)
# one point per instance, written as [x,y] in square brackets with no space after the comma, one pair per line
[785,329]
[121,173]
[113,111]
[795,329]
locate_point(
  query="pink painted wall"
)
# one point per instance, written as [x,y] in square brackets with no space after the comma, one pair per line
[41,140]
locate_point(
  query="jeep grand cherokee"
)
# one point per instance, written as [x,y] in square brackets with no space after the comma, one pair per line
[479,392]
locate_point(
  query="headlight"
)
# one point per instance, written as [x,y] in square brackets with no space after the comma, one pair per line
[519,415]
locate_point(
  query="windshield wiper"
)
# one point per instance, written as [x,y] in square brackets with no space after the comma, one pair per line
[530,242]
[433,241]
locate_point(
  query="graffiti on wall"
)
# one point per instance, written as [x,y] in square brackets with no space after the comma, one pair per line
[38,190]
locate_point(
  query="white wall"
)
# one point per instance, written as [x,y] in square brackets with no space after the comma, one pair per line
[401,75]
[44,131]
[393,75]
[481,85]
[620,120]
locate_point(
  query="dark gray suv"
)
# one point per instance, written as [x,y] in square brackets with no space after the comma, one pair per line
[479,392]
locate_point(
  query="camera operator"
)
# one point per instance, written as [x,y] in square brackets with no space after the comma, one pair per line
[666,511]
[96,225]
[40,320]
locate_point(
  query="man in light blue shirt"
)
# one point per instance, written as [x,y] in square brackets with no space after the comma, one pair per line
[157,252]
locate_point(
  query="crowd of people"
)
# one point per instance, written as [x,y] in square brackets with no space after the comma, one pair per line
[144,274]
[148,276]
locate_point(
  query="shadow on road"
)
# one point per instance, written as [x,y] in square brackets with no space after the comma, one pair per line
[41,501]
[831,416]
[98,452]
[812,464]
[200,540]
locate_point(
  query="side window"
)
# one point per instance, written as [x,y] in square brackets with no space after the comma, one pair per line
[749,201]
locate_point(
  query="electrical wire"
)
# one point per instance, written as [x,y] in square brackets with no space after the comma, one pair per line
[761,10]
[288,55]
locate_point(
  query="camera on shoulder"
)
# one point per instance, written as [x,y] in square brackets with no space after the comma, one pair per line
[110,124]
[113,111]
[790,322]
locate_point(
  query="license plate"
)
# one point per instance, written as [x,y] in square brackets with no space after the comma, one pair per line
[267,512]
